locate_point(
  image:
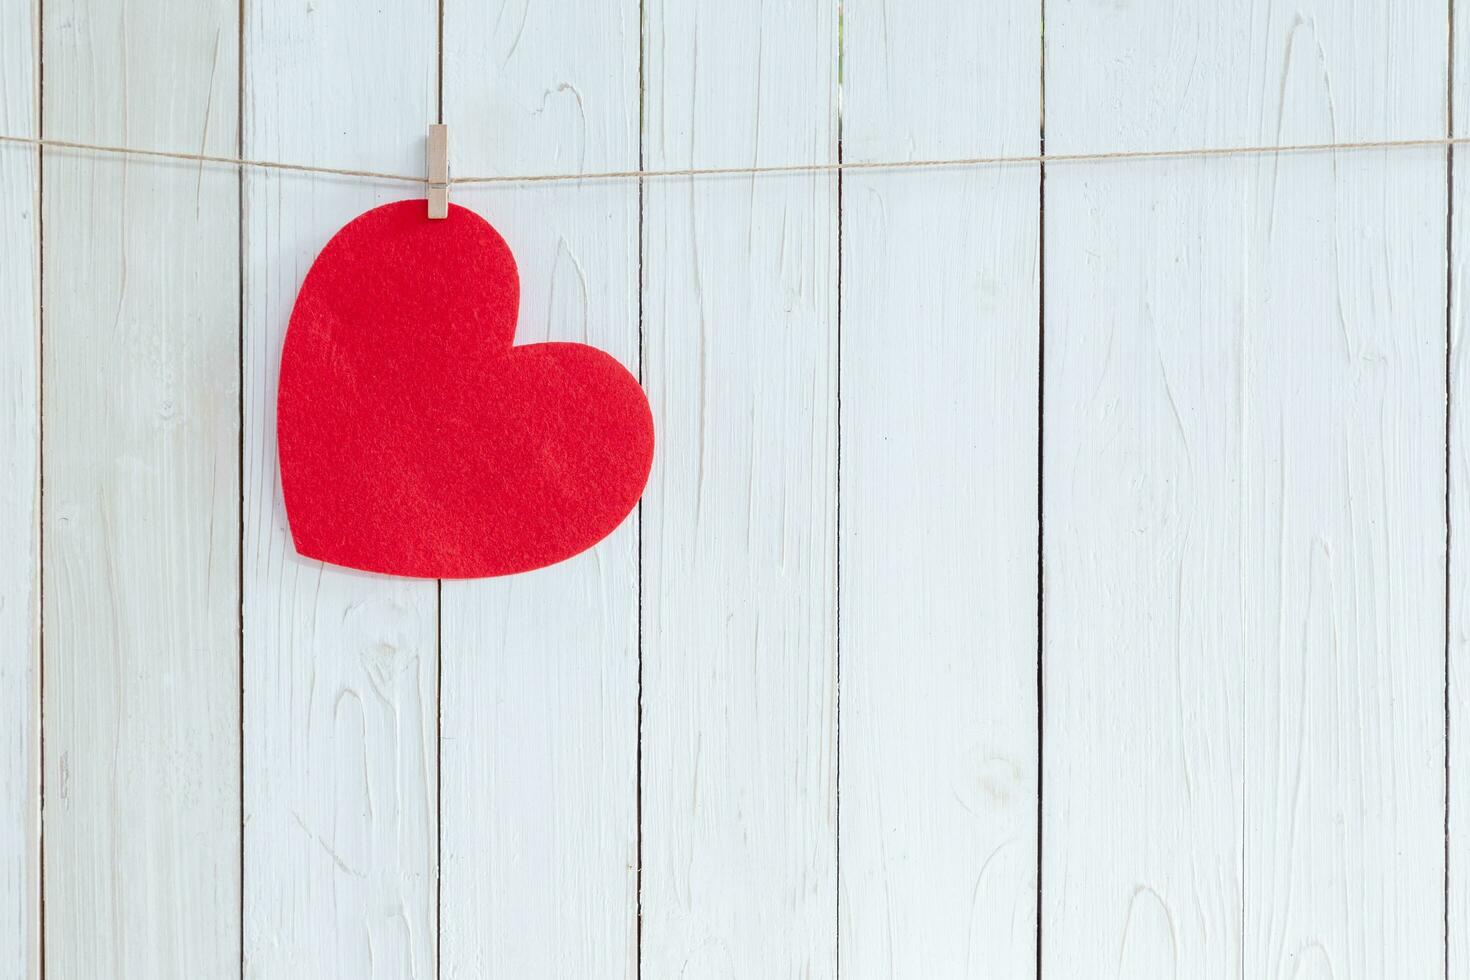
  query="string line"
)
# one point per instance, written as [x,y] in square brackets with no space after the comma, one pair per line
[790,168]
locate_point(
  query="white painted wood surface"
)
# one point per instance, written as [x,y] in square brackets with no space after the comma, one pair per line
[20,449]
[1457,676]
[340,668]
[940,327]
[1244,491]
[540,672]
[140,516]
[1237,765]
[739,597]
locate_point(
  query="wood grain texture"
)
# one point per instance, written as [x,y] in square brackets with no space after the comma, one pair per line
[20,451]
[141,519]
[340,668]
[1457,954]
[540,671]
[1244,480]
[939,495]
[740,304]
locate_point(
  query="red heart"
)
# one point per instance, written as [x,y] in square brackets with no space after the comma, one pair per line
[416,440]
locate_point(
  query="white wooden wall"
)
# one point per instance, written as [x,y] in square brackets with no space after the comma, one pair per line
[1042,575]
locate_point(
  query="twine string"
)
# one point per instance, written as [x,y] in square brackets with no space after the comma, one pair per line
[791,168]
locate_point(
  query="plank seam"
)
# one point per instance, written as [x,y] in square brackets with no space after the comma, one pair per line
[40,43]
[240,444]
[1449,235]
[1040,480]
[837,545]
[638,694]
[439,651]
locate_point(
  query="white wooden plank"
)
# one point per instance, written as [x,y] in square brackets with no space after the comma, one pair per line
[740,304]
[540,671]
[1243,467]
[20,417]
[1457,953]
[141,515]
[939,493]
[340,668]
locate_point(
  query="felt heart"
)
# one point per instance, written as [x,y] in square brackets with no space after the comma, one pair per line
[416,440]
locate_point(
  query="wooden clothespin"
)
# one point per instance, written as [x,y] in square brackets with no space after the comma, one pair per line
[438,170]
